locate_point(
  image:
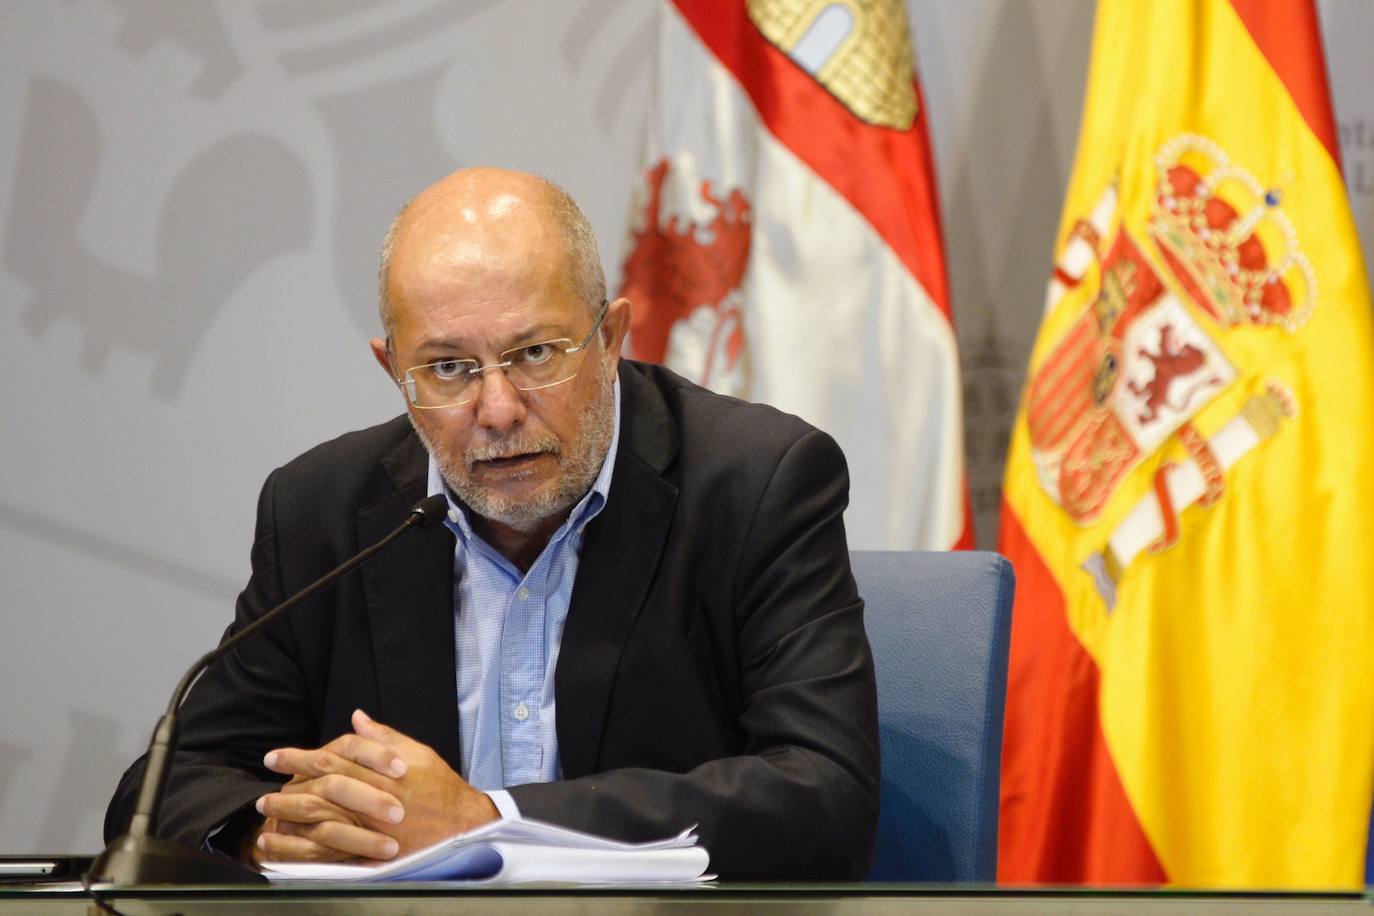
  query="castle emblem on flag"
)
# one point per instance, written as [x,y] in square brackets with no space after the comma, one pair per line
[1147,354]
[859,50]
[684,280]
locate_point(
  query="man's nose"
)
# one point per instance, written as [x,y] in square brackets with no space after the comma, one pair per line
[500,405]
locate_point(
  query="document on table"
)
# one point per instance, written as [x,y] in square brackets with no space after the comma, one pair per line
[517,851]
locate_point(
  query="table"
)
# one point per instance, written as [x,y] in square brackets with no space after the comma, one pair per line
[805,899]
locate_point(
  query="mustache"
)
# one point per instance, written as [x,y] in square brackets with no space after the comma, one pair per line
[510,447]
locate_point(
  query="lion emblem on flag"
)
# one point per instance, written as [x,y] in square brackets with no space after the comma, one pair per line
[684,279]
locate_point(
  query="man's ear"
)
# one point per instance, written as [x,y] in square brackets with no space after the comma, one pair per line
[615,326]
[382,354]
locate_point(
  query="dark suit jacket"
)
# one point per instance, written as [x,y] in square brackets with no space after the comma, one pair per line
[714,668]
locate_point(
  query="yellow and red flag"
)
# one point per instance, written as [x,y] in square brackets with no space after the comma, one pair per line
[785,244]
[1188,492]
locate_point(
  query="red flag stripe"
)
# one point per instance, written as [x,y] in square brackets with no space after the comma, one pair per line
[966,537]
[843,150]
[1289,36]
[1065,817]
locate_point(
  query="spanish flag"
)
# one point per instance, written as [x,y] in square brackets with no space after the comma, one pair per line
[1189,495]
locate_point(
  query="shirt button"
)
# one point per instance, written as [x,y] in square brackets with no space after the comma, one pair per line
[453,516]
[522,712]
[523,593]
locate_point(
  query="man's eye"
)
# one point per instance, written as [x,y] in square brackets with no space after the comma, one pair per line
[448,369]
[537,354]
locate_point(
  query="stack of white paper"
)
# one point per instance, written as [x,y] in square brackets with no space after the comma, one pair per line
[510,852]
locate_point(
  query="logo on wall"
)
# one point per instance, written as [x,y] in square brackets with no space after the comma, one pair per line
[1148,353]
[151,182]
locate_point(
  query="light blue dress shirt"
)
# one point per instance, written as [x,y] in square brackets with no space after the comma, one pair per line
[508,628]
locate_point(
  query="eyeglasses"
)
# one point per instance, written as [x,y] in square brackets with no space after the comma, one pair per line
[531,367]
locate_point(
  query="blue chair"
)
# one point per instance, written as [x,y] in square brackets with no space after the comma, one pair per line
[940,625]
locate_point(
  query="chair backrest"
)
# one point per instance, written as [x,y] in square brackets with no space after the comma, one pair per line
[940,625]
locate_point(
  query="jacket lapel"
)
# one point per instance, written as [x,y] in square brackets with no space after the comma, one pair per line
[620,554]
[409,592]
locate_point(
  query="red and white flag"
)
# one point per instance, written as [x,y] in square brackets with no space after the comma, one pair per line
[785,244]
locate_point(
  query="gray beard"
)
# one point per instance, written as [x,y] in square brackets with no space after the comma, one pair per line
[579,466]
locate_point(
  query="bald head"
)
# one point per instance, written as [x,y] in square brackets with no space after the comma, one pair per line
[484,212]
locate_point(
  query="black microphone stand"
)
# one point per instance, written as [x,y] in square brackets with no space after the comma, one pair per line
[139,856]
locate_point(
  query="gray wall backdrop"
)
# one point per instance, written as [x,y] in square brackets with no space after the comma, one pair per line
[191,195]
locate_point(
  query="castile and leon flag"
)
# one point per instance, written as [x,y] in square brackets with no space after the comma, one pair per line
[784,244]
[1188,493]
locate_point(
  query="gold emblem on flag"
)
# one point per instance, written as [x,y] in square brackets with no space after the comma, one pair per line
[1225,237]
[1145,355]
[859,50]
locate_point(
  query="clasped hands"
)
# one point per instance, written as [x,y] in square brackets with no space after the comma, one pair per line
[364,797]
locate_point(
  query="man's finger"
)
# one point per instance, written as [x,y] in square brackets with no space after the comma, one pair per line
[304,807]
[370,728]
[345,792]
[317,762]
[278,847]
[349,839]
[369,753]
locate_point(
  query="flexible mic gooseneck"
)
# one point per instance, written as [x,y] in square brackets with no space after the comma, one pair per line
[139,856]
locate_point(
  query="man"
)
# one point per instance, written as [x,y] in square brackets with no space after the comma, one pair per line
[639,617]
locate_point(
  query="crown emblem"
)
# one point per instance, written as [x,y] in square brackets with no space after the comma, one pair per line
[1227,240]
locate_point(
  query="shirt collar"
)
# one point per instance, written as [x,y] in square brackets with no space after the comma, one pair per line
[586,509]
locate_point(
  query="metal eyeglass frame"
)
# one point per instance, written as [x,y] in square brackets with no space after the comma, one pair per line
[407,380]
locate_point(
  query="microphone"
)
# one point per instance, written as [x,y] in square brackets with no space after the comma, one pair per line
[139,856]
